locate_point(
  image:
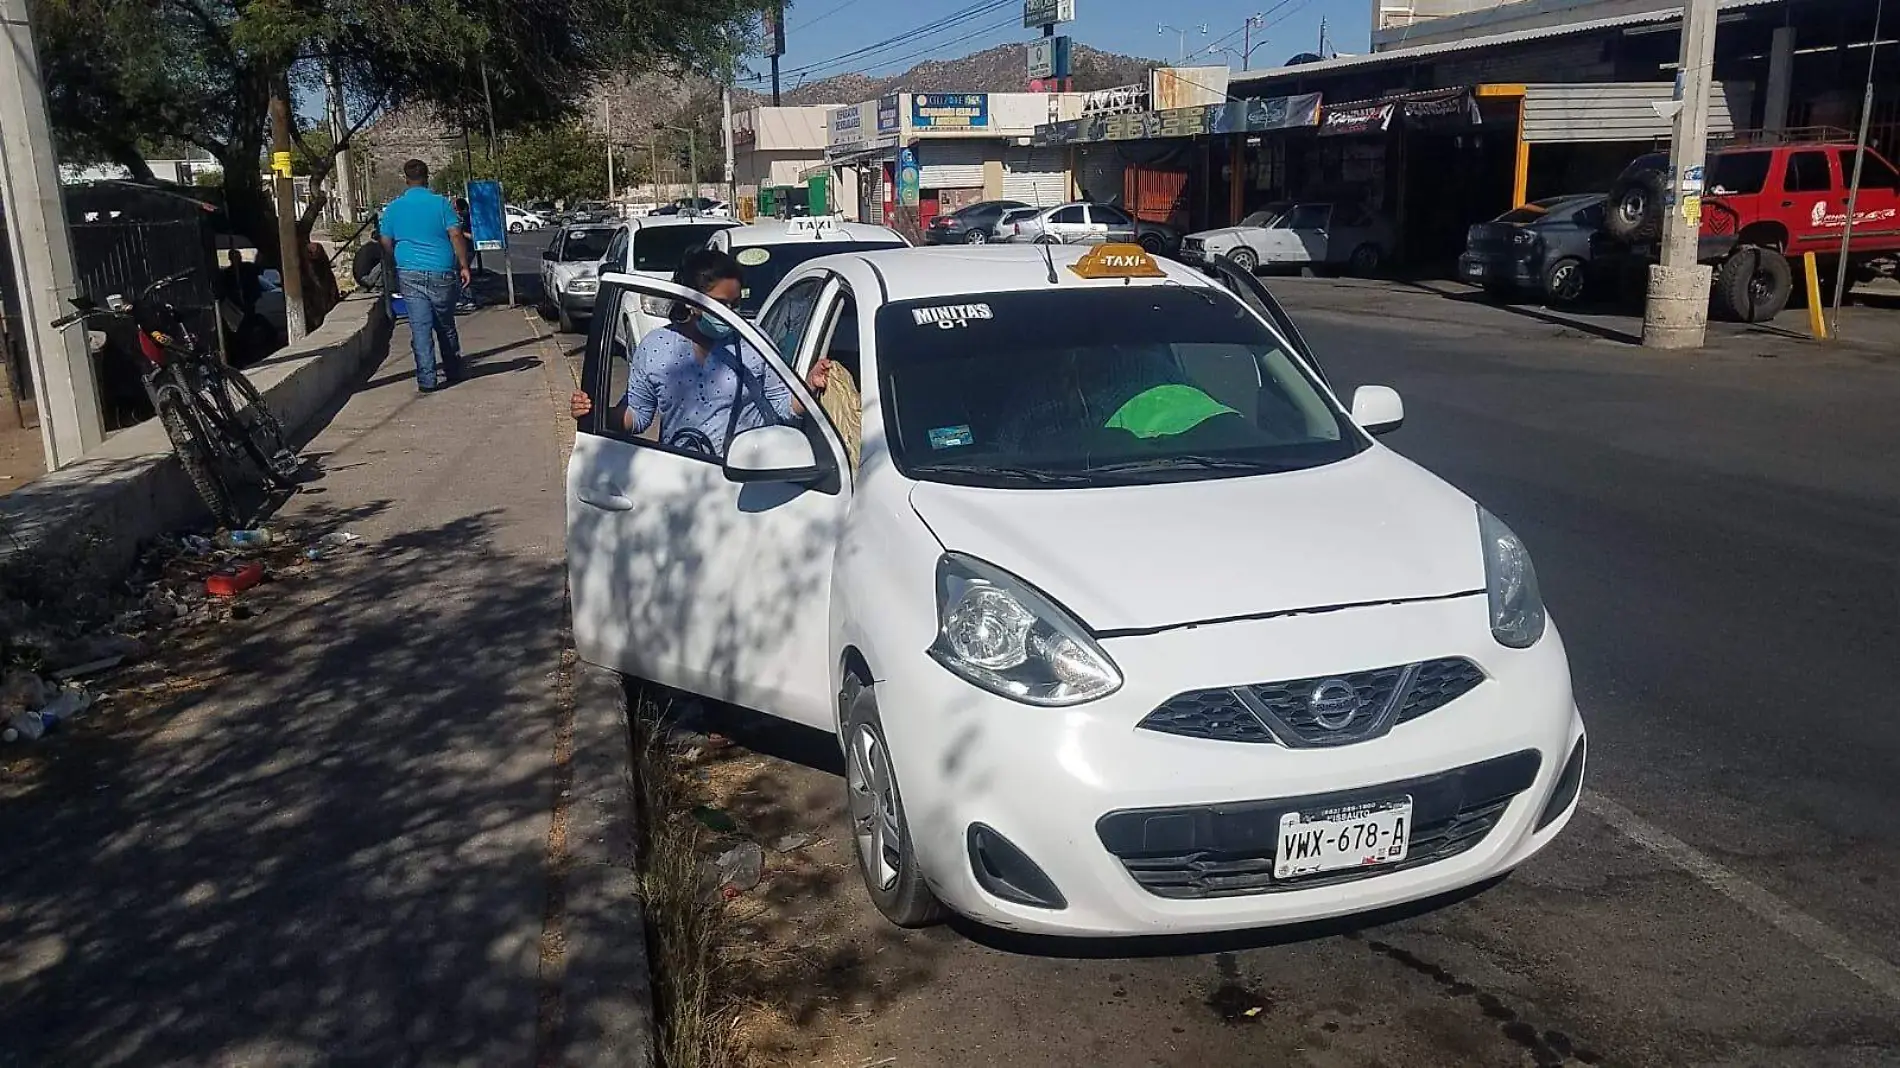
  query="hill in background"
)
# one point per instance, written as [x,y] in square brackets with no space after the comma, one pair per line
[993,70]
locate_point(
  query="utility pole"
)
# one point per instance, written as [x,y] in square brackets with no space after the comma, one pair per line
[289,251]
[42,251]
[1853,186]
[725,105]
[339,132]
[1676,315]
[692,161]
[653,150]
[607,121]
[1246,40]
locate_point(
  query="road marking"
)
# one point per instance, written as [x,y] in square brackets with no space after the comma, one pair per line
[1802,927]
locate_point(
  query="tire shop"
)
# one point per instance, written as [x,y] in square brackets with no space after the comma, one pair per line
[1559,102]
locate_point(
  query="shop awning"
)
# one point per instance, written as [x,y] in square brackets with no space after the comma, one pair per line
[1234,116]
[1433,109]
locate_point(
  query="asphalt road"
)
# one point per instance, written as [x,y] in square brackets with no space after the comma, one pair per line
[1717,537]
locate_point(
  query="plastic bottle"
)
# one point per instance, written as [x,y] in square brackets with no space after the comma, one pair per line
[245,539]
[25,726]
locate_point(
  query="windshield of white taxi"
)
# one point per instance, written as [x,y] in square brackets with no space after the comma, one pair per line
[586,244]
[1097,386]
[762,267]
[659,249]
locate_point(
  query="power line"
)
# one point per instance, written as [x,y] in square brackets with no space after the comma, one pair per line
[947,22]
[828,13]
[992,28]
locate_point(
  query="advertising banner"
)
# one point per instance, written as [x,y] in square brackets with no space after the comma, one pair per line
[1237,116]
[887,116]
[908,193]
[846,127]
[1040,13]
[950,111]
[1345,122]
[484,215]
[1120,98]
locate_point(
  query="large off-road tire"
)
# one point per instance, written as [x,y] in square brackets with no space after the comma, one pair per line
[1635,209]
[881,841]
[1752,285]
[196,456]
[1244,259]
[1564,282]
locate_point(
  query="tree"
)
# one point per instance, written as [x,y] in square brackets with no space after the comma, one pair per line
[555,161]
[120,73]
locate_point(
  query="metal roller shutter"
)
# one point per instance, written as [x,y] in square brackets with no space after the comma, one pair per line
[1038,176]
[871,208]
[1620,111]
[952,164]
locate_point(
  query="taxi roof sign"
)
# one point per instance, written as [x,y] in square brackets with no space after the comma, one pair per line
[816,225]
[1117,261]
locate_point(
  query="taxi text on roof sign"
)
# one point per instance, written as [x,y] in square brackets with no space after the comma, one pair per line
[812,224]
[1118,261]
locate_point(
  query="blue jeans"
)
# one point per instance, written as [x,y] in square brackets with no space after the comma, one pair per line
[430,297]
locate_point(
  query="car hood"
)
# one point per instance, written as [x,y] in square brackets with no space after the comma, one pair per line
[1372,529]
[1223,234]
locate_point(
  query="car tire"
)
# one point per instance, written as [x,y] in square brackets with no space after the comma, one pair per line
[976,237]
[1564,282]
[565,321]
[1366,260]
[1152,244]
[892,877]
[1752,285]
[1045,239]
[1634,213]
[1243,259]
[515,228]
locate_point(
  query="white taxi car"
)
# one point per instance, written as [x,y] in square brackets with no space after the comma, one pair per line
[652,246]
[568,280]
[769,251]
[1126,624]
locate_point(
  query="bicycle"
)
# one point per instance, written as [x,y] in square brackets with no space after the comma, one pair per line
[216,419]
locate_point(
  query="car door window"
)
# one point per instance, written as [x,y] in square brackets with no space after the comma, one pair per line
[1808,172]
[1071,215]
[1309,217]
[1875,173]
[786,321]
[616,256]
[1110,216]
[836,338]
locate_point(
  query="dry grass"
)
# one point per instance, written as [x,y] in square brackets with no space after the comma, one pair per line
[686,926]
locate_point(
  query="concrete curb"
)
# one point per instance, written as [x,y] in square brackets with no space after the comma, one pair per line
[606,986]
[132,488]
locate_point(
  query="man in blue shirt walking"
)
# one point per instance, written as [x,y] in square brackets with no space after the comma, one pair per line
[423,238]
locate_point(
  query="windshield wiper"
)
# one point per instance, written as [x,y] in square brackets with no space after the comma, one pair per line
[1192,461]
[1025,474]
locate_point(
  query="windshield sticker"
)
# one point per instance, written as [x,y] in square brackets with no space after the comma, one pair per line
[949,437]
[576,235]
[950,316]
[752,257]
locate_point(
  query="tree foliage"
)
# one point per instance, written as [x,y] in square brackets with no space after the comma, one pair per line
[124,73]
[556,161]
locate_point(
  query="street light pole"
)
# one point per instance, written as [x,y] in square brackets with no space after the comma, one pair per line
[1676,315]
[1180,39]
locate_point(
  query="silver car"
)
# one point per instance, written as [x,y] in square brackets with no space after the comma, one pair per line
[1305,234]
[1077,223]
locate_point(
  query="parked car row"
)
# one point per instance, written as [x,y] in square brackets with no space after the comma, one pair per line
[1074,223]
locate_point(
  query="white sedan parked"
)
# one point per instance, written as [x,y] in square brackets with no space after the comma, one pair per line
[1298,235]
[1125,623]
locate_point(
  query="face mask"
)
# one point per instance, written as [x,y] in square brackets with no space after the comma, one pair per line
[714,329]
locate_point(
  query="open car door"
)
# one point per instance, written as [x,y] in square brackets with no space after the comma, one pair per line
[702,565]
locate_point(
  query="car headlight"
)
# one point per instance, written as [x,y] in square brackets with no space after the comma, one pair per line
[1000,634]
[584,285]
[660,306]
[1524,238]
[1510,583]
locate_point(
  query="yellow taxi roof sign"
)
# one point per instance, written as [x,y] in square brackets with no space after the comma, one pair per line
[1118,261]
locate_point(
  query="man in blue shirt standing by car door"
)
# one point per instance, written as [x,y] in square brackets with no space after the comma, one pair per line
[423,238]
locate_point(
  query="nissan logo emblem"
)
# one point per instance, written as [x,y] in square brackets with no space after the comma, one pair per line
[1333,704]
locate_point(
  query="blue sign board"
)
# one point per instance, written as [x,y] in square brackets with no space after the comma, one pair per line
[950,111]
[907,178]
[484,215]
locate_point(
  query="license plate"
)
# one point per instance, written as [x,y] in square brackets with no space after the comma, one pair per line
[1473,270]
[1352,837]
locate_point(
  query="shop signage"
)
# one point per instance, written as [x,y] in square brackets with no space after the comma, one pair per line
[1237,116]
[847,127]
[950,111]
[907,178]
[887,115]
[1120,98]
[1369,118]
[1038,13]
[1048,58]
[772,31]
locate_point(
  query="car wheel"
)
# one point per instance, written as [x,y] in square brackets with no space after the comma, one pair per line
[515,228]
[1753,285]
[880,833]
[976,237]
[1564,282]
[1244,259]
[1152,244]
[1366,260]
[1046,239]
[565,321]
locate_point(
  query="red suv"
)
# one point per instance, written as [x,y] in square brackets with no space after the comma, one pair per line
[1763,206]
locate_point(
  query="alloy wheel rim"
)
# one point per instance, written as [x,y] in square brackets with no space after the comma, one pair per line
[873,803]
[978,237]
[1569,282]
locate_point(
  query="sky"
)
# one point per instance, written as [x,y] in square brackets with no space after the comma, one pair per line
[822,34]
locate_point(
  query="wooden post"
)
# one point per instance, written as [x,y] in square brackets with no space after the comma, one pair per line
[289,249]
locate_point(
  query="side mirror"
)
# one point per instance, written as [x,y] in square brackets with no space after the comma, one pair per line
[547,254]
[1377,409]
[772,454]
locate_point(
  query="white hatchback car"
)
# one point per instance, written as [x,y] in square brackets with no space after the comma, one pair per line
[769,251]
[652,246]
[1125,624]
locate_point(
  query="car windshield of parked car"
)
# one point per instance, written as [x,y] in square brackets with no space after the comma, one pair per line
[1260,219]
[1738,173]
[660,248]
[1097,386]
[1305,217]
[586,244]
[764,266]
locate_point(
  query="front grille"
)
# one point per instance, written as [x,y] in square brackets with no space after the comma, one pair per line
[1288,713]
[1226,850]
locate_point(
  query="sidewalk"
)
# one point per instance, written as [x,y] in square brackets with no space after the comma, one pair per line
[329,840]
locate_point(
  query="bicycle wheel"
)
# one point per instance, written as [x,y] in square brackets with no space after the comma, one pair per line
[264,437]
[195,454]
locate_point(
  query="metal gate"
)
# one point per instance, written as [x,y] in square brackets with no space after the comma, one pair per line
[1038,176]
[951,164]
